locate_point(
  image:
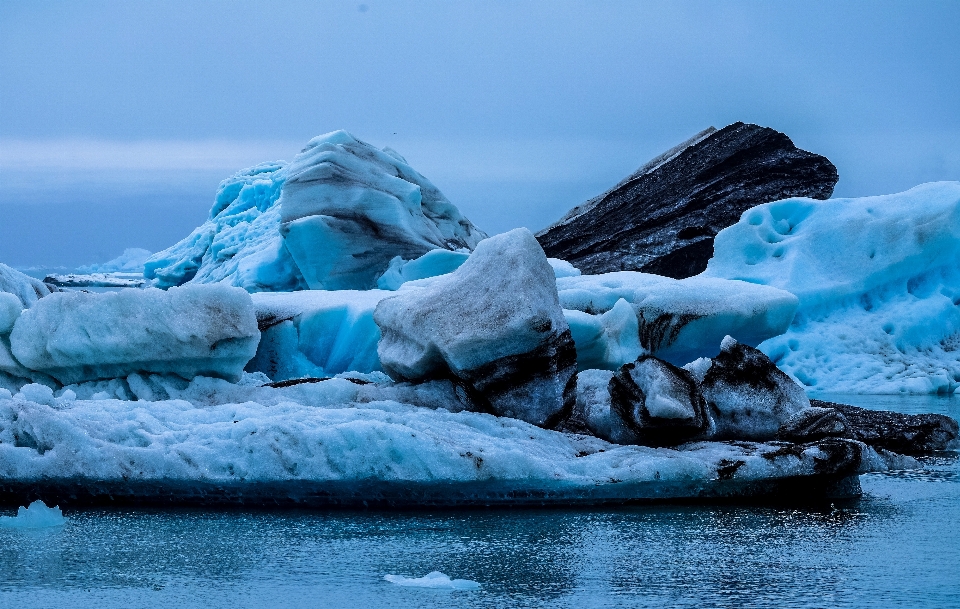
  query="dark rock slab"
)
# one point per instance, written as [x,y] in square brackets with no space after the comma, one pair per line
[909,434]
[662,219]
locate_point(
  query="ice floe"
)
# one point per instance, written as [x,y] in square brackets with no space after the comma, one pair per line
[319,442]
[434,579]
[34,516]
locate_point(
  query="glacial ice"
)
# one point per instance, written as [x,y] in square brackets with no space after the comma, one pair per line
[347,209]
[197,329]
[27,289]
[440,262]
[495,323]
[434,579]
[336,432]
[334,218]
[34,516]
[877,282]
[316,333]
[239,244]
[432,264]
[615,317]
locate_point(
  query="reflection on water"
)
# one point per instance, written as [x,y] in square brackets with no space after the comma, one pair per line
[898,546]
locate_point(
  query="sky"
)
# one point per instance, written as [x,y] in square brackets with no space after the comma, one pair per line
[119,119]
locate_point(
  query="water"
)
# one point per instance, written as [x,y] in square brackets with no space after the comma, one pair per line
[898,546]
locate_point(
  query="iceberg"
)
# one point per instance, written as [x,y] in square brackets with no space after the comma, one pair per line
[34,516]
[334,218]
[337,442]
[188,331]
[434,579]
[877,282]
[662,218]
[494,324]
[130,261]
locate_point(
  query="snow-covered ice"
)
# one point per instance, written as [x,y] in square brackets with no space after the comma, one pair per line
[877,281]
[34,516]
[191,330]
[434,579]
[676,320]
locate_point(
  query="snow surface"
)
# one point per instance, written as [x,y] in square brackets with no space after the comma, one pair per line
[27,289]
[130,261]
[36,516]
[877,281]
[212,431]
[197,329]
[676,320]
[434,579]
[316,333]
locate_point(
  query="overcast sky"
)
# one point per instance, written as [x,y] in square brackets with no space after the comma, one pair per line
[118,119]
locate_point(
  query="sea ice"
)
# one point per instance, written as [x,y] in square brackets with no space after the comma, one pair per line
[36,516]
[434,579]
[188,331]
[877,282]
[676,320]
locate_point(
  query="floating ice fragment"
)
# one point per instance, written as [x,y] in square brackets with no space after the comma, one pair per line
[36,516]
[434,579]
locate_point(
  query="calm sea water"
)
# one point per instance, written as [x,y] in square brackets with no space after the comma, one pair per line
[898,546]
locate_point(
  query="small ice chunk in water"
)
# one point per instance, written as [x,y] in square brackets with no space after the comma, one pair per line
[434,579]
[37,516]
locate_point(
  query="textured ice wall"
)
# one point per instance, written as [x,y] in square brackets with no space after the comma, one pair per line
[878,283]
